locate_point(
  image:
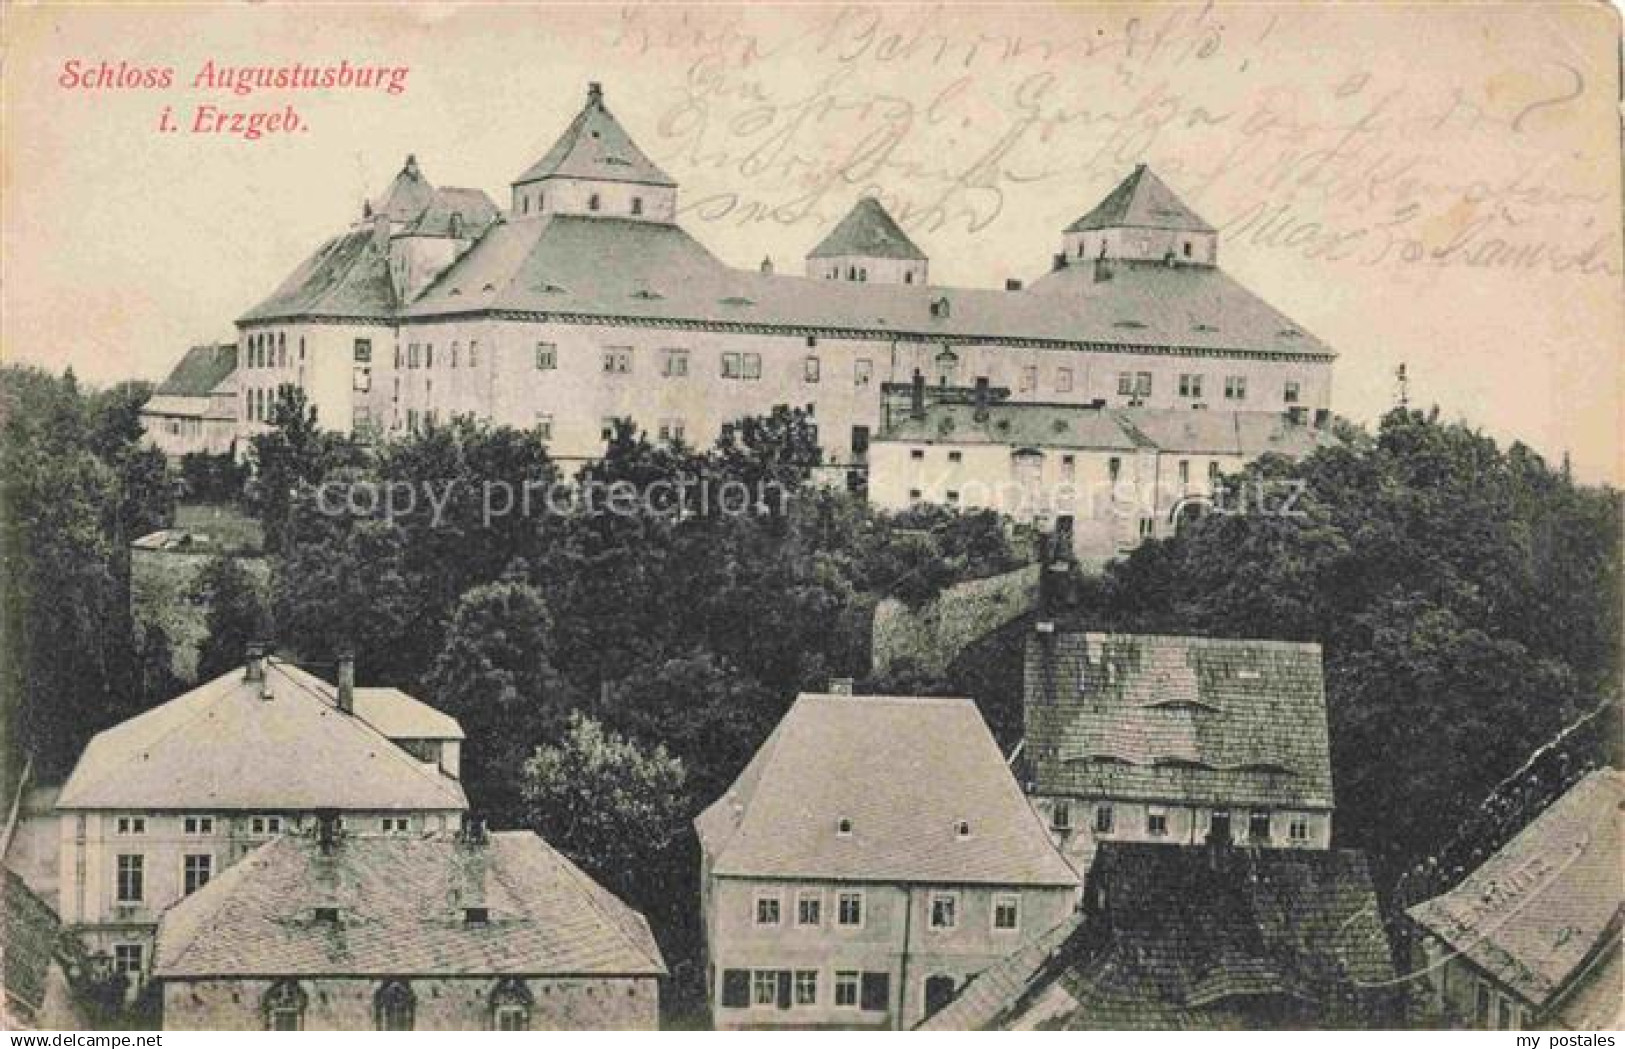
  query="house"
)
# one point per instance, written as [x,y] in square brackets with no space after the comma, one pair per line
[584,301]
[195,408]
[1531,939]
[160,805]
[1108,477]
[445,931]
[874,855]
[1171,740]
[35,963]
[1211,938]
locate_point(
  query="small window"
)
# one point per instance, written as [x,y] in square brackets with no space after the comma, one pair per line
[1235,388]
[606,428]
[396,824]
[1184,471]
[544,426]
[473,353]
[730,365]
[1258,826]
[476,916]
[593,203]
[843,827]
[618,360]
[916,454]
[127,960]
[456,353]
[849,910]
[284,1006]
[1298,830]
[363,351]
[863,371]
[735,988]
[753,366]
[131,825]
[767,909]
[915,495]
[1125,384]
[809,369]
[1105,819]
[195,872]
[1190,385]
[1156,823]
[361,379]
[846,989]
[676,364]
[547,356]
[1006,913]
[511,1018]
[1289,392]
[809,907]
[261,826]
[962,829]
[325,915]
[1060,817]
[956,457]
[1213,472]
[944,910]
[1029,377]
[428,355]
[764,987]
[806,986]
[1187,247]
[637,205]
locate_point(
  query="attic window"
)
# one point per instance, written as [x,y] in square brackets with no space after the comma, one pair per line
[327,915]
[1203,327]
[1127,324]
[456,291]
[737,300]
[476,916]
[940,307]
[962,830]
[1289,333]
[843,827]
[489,287]
[1248,674]
[647,293]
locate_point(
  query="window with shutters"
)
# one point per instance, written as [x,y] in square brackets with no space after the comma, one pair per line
[735,988]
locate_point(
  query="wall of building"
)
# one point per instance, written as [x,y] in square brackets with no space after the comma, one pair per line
[895,938]
[1464,996]
[869,270]
[1187,824]
[177,435]
[321,360]
[442,1004]
[573,196]
[1144,244]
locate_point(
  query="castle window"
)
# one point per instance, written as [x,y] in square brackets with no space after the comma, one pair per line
[473,352]
[1298,830]
[908,276]
[1060,817]
[1156,822]
[1190,385]
[195,872]
[1235,387]
[676,364]
[767,909]
[1006,912]
[851,273]
[637,205]
[1029,377]
[363,351]
[753,366]
[1187,249]
[1290,392]
[510,1005]
[547,356]
[863,371]
[1063,380]
[593,202]
[544,426]
[394,1006]
[524,205]
[131,878]
[618,360]
[863,273]
[809,369]
[284,1006]
[1105,819]
[944,910]
[456,353]
[730,365]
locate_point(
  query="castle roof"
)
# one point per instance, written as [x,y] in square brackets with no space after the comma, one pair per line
[596,146]
[867,231]
[199,371]
[905,771]
[400,906]
[304,753]
[1141,201]
[1180,720]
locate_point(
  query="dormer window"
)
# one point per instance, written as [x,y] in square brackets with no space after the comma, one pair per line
[843,827]
[327,915]
[476,916]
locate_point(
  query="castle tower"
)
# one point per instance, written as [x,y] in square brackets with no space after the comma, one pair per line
[595,169]
[868,245]
[1142,220]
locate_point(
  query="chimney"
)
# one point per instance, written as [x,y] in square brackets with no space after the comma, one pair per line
[1012,284]
[595,93]
[346,689]
[916,396]
[254,669]
[981,397]
[840,686]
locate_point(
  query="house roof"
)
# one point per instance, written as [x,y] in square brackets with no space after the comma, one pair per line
[472,207]
[191,753]
[199,371]
[1200,938]
[1025,424]
[29,946]
[869,231]
[1538,909]
[574,265]
[905,771]
[400,904]
[399,716]
[595,146]
[1212,721]
[408,194]
[348,276]
[1144,201]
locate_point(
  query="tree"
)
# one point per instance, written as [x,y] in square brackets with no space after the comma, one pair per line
[613,807]
[238,615]
[493,675]
[293,456]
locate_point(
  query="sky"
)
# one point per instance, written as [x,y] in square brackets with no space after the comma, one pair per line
[1431,185]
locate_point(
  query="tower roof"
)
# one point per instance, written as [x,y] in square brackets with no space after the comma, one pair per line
[595,146]
[407,195]
[868,231]
[1142,201]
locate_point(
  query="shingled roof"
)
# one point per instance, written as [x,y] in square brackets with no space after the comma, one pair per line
[1199,938]
[595,146]
[578,266]
[1207,721]
[347,277]
[905,771]
[1544,905]
[303,753]
[199,371]
[868,231]
[401,906]
[1141,201]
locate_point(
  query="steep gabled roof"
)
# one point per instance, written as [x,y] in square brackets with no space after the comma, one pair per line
[1207,721]
[199,371]
[867,231]
[1192,938]
[225,746]
[401,912]
[408,194]
[595,146]
[905,771]
[1141,201]
[1537,910]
